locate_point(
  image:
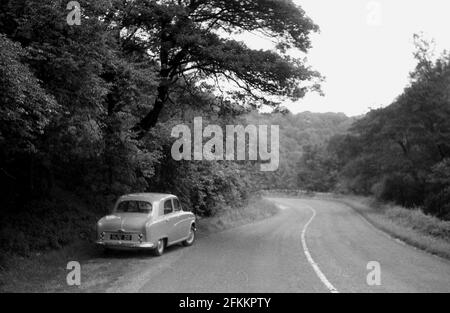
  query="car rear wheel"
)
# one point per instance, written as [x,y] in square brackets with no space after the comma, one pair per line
[190,240]
[160,245]
[107,251]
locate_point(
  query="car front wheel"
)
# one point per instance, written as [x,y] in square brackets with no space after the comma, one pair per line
[159,250]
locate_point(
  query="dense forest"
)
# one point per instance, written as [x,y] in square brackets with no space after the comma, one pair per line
[298,132]
[400,153]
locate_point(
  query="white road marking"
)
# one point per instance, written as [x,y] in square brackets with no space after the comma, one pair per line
[311,261]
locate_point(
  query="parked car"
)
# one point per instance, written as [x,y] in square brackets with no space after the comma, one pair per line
[146,221]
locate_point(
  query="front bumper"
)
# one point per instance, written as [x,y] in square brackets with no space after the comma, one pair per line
[125,245]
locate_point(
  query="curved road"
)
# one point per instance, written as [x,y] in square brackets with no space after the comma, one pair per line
[310,246]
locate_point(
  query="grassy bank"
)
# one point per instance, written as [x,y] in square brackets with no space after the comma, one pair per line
[409,225]
[256,209]
[44,271]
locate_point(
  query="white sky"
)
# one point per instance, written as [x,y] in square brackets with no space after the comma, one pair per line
[365,48]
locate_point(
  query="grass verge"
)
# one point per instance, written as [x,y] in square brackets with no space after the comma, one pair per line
[411,226]
[42,271]
[256,209]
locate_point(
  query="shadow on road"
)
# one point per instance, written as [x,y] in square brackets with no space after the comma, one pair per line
[135,254]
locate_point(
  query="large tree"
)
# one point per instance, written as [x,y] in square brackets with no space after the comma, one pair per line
[192,40]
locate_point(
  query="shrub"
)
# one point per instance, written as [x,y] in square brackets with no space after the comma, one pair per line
[44,225]
[437,201]
[401,189]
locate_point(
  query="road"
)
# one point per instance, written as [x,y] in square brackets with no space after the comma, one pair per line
[310,246]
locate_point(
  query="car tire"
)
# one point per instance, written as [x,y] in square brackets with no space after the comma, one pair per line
[190,241]
[160,246]
[107,251]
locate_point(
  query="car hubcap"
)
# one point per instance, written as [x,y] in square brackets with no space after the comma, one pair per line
[160,246]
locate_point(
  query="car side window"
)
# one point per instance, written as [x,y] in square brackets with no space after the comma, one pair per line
[176,205]
[168,207]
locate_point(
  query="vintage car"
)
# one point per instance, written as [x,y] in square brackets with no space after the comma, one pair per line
[146,221]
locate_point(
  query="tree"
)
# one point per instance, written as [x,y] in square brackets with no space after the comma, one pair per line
[397,152]
[317,170]
[26,110]
[438,198]
[190,40]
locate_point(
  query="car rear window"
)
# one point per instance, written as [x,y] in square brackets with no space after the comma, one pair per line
[134,207]
[176,205]
[168,207]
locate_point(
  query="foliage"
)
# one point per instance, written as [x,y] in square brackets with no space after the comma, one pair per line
[26,108]
[192,40]
[297,132]
[437,201]
[317,171]
[25,113]
[47,224]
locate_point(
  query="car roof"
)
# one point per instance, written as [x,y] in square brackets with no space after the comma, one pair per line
[146,196]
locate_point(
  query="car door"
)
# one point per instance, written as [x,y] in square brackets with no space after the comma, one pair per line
[181,221]
[169,220]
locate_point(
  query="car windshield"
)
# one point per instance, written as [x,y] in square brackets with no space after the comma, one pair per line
[134,207]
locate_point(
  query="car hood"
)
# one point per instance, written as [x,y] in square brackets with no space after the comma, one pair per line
[127,222]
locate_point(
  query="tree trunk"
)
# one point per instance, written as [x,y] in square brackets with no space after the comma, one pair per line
[150,120]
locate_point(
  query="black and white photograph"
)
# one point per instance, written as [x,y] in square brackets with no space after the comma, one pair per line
[223,153]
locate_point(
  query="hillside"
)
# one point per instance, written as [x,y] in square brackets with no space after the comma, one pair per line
[297,131]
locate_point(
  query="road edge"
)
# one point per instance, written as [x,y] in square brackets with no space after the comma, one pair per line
[401,240]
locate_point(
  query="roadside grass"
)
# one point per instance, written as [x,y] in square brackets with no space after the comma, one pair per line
[48,224]
[44,271]
[37,242]
[411,226]
[257,209]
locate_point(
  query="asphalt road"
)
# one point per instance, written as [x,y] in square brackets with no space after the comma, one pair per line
[310,246]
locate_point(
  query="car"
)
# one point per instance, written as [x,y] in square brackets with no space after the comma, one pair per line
[146,221]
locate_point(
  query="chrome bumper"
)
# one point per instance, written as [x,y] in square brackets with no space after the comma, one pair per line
[125,244]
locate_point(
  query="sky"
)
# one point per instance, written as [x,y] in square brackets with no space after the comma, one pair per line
[365,49]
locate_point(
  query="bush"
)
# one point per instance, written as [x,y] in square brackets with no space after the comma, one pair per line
[45,225]
[437,201]
[438,204]
[416,219]
[401,189]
